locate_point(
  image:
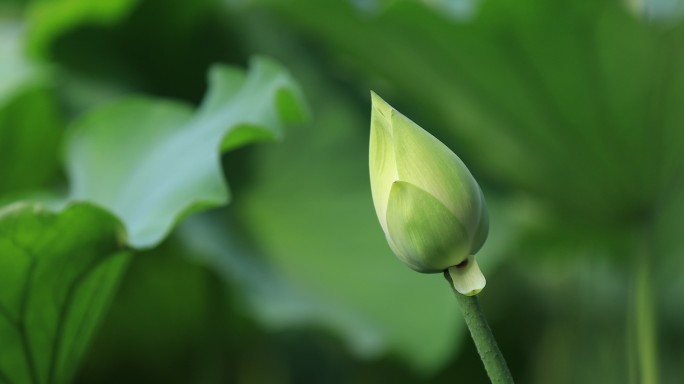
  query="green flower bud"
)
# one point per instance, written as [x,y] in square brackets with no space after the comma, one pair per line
[429,206]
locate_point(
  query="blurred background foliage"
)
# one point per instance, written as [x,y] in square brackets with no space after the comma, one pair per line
[567,112]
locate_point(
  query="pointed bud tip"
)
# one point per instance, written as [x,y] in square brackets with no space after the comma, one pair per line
[380,105]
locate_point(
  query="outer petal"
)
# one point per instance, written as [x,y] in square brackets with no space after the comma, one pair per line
[424,233]
[482,230]
[383,169]
[426,162]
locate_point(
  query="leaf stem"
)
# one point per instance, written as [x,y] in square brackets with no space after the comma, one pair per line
[644,317]
[489,352]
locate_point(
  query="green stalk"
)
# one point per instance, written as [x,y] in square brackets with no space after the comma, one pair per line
[489,352]
[644,317]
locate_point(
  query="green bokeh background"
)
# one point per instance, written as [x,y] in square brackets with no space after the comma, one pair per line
[568,113]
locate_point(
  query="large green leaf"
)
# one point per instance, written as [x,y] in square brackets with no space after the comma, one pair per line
[277,302]
[574,101]
[58,272]
[151,162]
[157,148]
[165,323]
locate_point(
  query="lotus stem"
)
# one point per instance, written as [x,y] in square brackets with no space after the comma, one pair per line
[644,317]
[489,352]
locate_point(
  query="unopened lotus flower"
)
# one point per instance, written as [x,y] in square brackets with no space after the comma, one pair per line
[431,209]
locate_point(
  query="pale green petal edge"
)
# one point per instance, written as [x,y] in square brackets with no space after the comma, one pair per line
[382,164]
[482,230]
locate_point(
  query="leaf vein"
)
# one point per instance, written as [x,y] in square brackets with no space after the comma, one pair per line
[65,308]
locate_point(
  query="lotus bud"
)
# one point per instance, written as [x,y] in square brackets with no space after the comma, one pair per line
[431,209]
